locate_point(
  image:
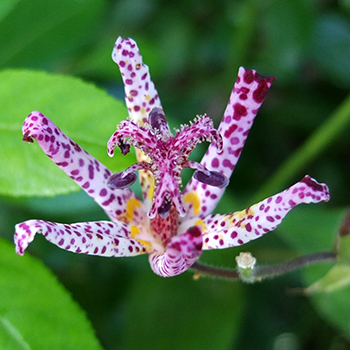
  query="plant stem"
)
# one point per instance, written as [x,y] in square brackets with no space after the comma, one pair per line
[302,261]
[262,272]
[207,270]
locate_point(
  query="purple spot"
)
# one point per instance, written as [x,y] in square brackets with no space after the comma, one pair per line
[292,203]
[91,172]
[234,234]
[227,164]
[260,92]
[239,111]
[234,140]
[248,76]
[230,130]
[312,183]
[103,192]
[215,163]
[278,199]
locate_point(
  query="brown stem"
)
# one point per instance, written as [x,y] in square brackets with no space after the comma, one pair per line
[262,272]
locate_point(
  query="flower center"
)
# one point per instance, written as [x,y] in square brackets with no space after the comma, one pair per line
[168,155]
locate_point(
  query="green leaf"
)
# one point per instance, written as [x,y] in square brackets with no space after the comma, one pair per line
[337,278]
[6,6]
[85,113]
[204,315]
[36,312]
[333,304]
[46,31]
[311,229]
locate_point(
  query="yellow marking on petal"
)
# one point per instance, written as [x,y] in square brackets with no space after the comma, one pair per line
[130,208]
[147,97]
[151,187]
[143,111]
[193,198]
[134,230]
[242,214]
[141,156]
[146,244]
[250,212]
[201,224]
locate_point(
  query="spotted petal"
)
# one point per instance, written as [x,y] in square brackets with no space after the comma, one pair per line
[85,170]
[140,96]
[102,238]
[181,253]
[230,230]
[140,93]
[246,98]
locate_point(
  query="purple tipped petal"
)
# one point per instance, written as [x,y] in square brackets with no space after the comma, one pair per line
[246,98]
[85,170]
[181,253]
[229,230]
[140,93]
[95,238]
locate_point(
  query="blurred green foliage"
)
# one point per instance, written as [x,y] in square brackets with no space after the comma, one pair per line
[193,49]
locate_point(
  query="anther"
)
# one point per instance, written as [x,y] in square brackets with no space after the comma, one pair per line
[119,181]
[214,178]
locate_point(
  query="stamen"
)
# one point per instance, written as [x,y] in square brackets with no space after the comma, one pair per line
[120,180]
[27,137]
[124,147]
[127,177]
[167,154]
[157,120]
[202,174]
[215,178]
[164,209]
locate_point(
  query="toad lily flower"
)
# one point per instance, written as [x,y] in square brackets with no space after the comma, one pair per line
[172,227]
